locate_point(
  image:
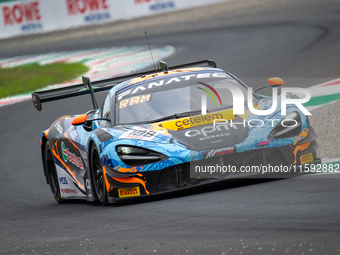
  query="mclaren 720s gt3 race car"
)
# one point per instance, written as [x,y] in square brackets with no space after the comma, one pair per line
[169,129]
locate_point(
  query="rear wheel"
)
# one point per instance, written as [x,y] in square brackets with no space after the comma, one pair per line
[97,174]
[52,173]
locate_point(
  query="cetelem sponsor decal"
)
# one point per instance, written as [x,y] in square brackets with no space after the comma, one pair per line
[129,192]
[198,120]
[27,13]
[70,157]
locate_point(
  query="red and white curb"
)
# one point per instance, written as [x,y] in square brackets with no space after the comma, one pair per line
[102,63]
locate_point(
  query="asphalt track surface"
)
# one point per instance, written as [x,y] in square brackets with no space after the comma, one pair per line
[252,39]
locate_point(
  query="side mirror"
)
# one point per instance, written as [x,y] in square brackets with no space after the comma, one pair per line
[79,120]
[275,82]
[82,120]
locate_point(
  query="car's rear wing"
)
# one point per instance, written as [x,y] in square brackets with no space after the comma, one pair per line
[102,85]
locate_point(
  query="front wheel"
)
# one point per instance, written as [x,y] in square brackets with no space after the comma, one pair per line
[97,174]
[52,173]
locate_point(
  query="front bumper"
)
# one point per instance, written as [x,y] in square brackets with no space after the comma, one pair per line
[126,185]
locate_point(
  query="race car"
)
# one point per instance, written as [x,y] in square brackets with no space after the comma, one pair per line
[169,129]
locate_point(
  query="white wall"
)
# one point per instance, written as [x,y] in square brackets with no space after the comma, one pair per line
[38,16]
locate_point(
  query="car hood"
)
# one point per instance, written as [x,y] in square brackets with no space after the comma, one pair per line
[195,132]
[210,136]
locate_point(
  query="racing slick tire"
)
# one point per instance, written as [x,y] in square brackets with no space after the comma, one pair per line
[97,175]
[52,173]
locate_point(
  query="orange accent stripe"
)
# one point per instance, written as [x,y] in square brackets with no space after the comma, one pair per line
[303,134]
[298,148]
[108,187]
[66,135]
[127,170]
[45,132]
[75,146]
[55,153]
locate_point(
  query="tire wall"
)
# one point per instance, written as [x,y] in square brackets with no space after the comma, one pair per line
[39,16]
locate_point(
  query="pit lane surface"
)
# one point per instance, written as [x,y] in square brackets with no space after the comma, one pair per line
[252,39]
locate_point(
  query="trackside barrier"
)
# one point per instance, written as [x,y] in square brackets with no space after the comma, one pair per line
[39,16]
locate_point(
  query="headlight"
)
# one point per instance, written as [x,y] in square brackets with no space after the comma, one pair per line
[290,126]
[128,150]
[137,156]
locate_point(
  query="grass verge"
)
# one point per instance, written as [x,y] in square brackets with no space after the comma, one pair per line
[28,78]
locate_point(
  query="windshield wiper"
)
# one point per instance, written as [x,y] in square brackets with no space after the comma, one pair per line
[175,116]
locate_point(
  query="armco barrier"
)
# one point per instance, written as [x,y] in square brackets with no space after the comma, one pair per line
[38,16]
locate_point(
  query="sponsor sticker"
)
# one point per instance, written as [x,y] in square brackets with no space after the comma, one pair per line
[75,7]
[59,128]
[157,5]
[63,181]
[306,158]
[21,13]
[129,192]
[71,157]
[140,134]
[219,152]
[168,81]
[69,191]
[263,143]
[134,100]
[198,120]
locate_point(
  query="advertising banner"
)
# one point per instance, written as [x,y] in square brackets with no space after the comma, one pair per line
[38,16]
[86,12]
[22,17]
[138,8]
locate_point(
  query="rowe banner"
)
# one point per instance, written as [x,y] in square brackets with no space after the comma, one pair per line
[38,16]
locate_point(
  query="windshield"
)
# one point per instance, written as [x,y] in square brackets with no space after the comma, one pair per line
[175,96]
